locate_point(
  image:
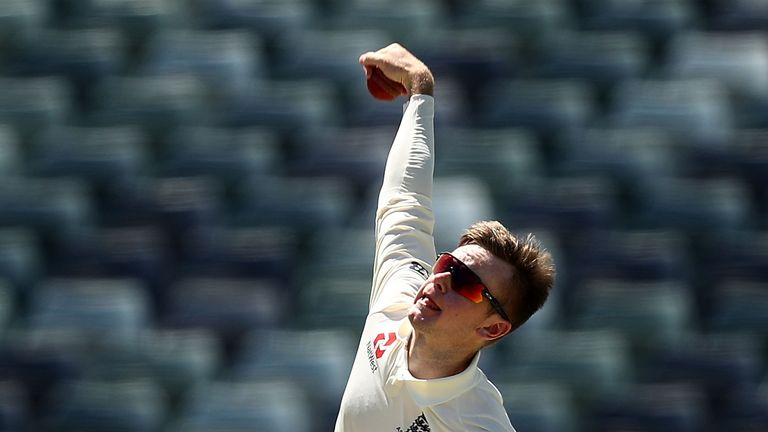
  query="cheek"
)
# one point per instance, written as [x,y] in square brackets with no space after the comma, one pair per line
[462,311]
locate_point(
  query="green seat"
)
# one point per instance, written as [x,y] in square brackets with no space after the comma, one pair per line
[589,362]
[647,313]
[540,406]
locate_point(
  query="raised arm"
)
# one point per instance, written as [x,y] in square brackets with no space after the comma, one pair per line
[404,219]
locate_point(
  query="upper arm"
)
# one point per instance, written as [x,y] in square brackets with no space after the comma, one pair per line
[405,250]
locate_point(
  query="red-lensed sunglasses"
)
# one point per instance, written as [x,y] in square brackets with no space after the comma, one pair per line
[466,283]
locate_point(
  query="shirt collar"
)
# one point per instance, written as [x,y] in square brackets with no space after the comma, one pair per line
[430,392]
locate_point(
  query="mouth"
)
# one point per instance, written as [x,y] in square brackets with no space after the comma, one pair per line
[427,302]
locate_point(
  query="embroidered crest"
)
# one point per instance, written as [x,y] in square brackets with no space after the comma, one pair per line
[418,425]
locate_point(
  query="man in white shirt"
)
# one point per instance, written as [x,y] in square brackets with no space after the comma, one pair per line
[416,365]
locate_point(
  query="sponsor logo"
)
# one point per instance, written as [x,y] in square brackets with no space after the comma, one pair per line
[371,357]
[418,268]
[418,425]
[381,345]
[377,347]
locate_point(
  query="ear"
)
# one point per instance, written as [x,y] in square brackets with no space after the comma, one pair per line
[495,330]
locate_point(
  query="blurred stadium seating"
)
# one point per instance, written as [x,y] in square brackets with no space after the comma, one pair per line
[188,192]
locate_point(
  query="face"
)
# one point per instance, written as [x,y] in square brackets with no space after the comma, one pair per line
[441,311]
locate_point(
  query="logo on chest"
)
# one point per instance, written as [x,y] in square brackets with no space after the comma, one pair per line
[378,346]
[418,425]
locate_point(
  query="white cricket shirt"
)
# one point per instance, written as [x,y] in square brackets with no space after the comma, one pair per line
[381,394]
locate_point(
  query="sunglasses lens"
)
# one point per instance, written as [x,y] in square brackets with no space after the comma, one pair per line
[474,292]
[463,280]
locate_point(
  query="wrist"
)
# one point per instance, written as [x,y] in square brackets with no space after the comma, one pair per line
[422,82]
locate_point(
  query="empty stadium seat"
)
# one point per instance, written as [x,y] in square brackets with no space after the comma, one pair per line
[333,302]
[175,359]
[458,202]
[83,55]
[225,154]
[402,20]
[50,205]
[304,203]
[588,362]
[600,57]
[748,156]
[227,61]
[32,104]
[177,204]
[696,109]
[641,255]
[651,407]
[21,258]
[228,306]
[358,154]
[745,411]
[135,18]
[120,406]
[738,14]
[14,405]
[561,203]
[694,204]
[629,155]
[263,251]
[286,106]
[100,155]
[658,19]
[500,157]
[140,252]
[738,305]
[539,407]
[719,364]
[246,405]
[739,60]
[740,254]
[156,103]
[11,162]
[523,17]
[118,308]
[282,354]
[645,312]
[22,18]
[352,256]
[268,18]
[34,370]
[543,105]
[8,303]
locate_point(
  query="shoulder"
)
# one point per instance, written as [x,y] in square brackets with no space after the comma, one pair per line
[480,409]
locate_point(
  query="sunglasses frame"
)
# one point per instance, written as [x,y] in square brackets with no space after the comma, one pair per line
[485,291]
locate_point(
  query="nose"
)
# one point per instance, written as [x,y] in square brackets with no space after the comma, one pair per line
[442,281]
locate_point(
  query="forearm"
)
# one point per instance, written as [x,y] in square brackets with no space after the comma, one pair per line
[410,165]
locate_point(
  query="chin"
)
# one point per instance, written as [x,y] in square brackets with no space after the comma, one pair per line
[418,319]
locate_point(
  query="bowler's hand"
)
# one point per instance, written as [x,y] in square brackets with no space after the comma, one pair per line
[399,65]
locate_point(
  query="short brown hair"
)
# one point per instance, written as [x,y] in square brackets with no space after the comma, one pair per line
[534,271]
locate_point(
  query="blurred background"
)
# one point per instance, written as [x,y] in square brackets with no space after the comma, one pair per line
[187,191]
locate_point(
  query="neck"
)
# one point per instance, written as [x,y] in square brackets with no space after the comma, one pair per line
[428,360]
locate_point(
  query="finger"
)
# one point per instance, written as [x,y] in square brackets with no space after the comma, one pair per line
[368,71]
[394,88]
[371,59]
